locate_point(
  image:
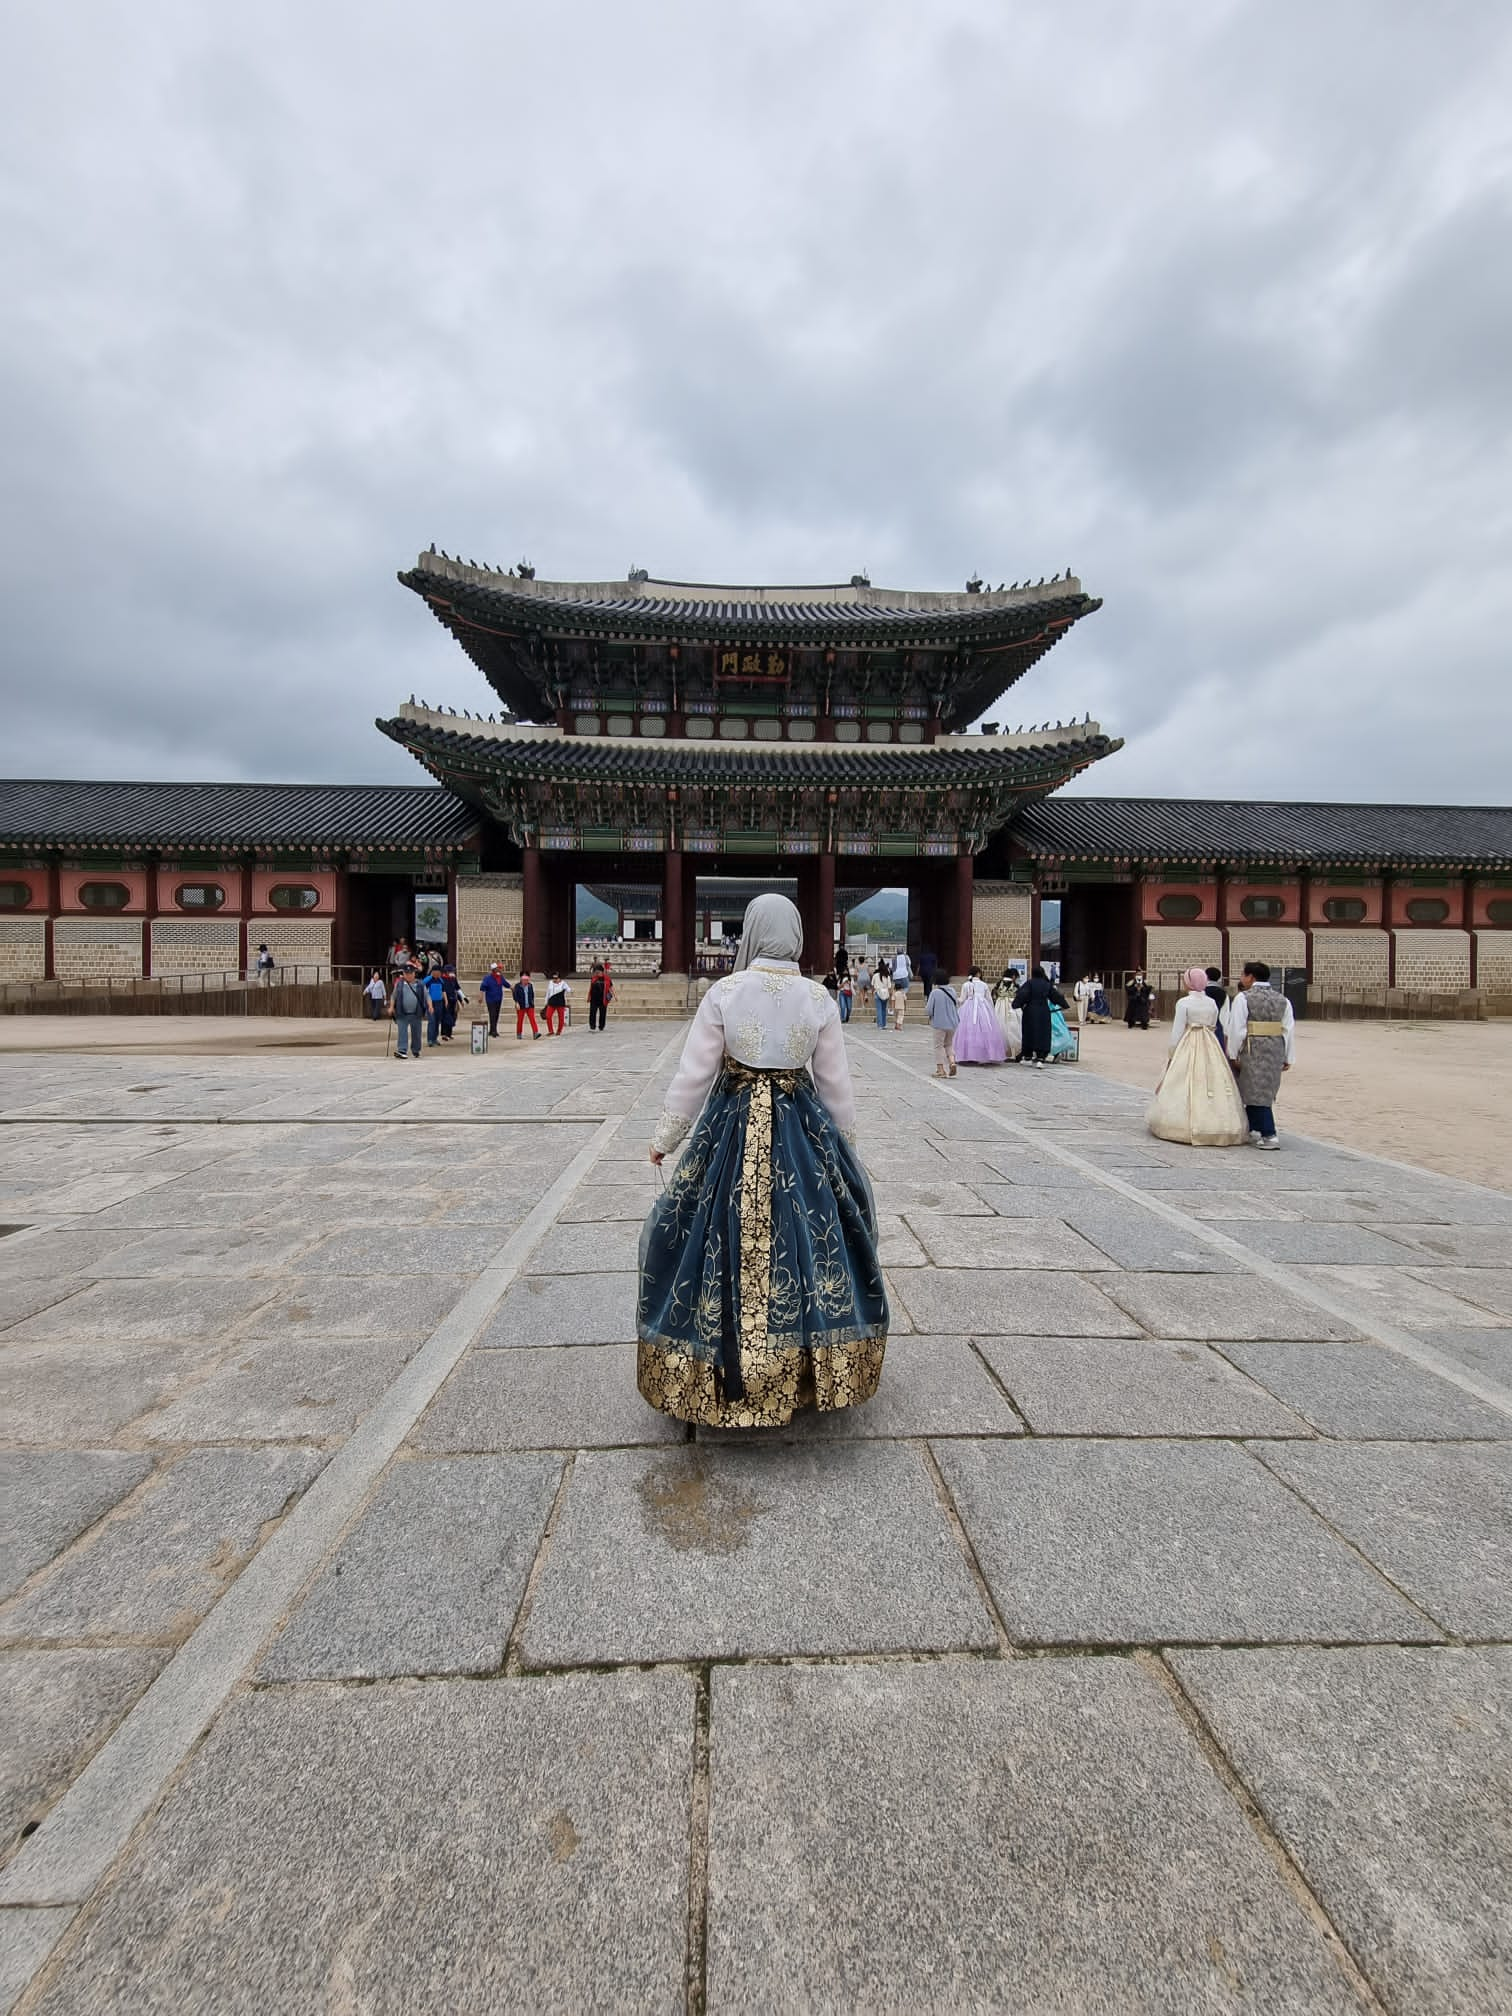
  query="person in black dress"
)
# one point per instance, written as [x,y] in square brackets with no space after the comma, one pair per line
[1034,1001]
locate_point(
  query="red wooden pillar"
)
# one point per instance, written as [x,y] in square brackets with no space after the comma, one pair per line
[1304,898]
[961,950]
[674,935]
[1034,931]
[1390,924]
[1223,922]
[533,922]
[244,923]
[1469,922]
[153,864]
[54,904]
[824,914]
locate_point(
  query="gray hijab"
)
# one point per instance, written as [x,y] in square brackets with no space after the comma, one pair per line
[772,930]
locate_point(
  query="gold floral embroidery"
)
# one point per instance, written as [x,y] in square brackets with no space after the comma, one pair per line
[798,1043]
[748,1036]
[670,1129]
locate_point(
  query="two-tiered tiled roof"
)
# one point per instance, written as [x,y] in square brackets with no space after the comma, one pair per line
[505,622]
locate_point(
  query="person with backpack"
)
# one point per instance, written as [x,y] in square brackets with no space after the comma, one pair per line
[452,999]
[557,991]
[492,987]
[265,964]
[882,989]
[406,1006]
[434,988]
[524,1000]
[942,1013]
[598,996]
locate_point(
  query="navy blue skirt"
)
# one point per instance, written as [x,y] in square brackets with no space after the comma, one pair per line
[760,1287]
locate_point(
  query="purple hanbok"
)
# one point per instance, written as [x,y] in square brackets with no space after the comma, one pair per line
[979,1038]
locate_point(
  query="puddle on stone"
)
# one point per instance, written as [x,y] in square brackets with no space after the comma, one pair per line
[695,1512]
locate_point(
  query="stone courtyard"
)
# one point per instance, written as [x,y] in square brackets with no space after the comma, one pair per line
[1146,1645]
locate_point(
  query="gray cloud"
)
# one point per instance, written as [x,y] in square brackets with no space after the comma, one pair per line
[1217,309]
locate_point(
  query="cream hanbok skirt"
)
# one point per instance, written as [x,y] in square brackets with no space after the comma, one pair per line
[1197,1101]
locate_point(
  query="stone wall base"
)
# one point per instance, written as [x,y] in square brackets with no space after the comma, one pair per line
[1433,962]
[1276,944]
[490,923]
[195,945]
[97,948]
[1002,925]
[23,948]
[1171,948]
[1350,961]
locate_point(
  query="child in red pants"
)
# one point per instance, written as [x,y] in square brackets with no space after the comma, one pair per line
[557,991]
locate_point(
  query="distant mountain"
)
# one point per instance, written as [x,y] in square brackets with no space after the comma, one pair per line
[593,920]
[888,907]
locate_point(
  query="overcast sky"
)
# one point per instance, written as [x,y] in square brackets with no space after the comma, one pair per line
[1212,303]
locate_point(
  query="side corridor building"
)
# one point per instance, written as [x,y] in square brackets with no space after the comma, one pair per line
[658,737]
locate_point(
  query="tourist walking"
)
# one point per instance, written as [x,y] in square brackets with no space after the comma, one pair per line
[902,980]
[981,1038]
[374,996]
[943,1014]
[492,987]
[1064,1047]
[1010,1021]
[1036,1002]
[557,991]
[1137,1002]
[1196,1101]
[929,965]
[1261,1044]
[1217,993]
[598,996]
[846,995]
[1082,992]
[264,966]
[407,1006]
[760,1288]
[863,986]
[524,1000]
[882,988]
[1100,1011]
[434,987]
[452,999]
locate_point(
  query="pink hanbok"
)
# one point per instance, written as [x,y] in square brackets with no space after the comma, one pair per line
[980,1038]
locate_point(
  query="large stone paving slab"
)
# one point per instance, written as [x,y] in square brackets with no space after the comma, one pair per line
[570,1397]
[587,1249]
[1003,1242]
[1487,1287]
[1132,1386]
[56,1709]
[284,1392]
[156,1311]
[1136,1238]
[1215,1307]
[222,1252]
[1388,1775]
[564,1309]
[153,1572]
[1395,1295]
[446,1850]
[1320,1243]
[85,1389]
[349,1305]
[50,1497]
[700,1553]
[1367,1391]
[1156,1543]
[1437,1520]
[1002,1301]
[1032,1835]
[930,1386]
[430,1578]
[24,1296]
[1485,1351]
[429,1250]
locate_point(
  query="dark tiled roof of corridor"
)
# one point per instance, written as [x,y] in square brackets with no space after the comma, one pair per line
[48,812]
[1240,830]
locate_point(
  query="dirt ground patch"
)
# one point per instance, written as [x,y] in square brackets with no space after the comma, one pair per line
[1435,1094]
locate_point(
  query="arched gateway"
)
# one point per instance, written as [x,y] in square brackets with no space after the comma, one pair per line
[669,732]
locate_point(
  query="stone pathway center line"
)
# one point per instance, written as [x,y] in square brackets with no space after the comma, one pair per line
[91,1824]
[1386,1334]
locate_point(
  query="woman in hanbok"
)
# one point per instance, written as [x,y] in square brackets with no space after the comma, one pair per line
[1010,1021]
[1038,1001]
[760,1288]
[1197,1101]
[1064,1048]
[980,1038]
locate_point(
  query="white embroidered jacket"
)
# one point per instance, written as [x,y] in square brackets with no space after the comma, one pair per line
[773,1019]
